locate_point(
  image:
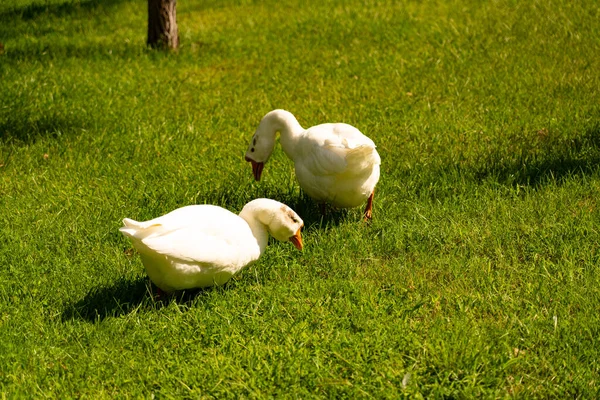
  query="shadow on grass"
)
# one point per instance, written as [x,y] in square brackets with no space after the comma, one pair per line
[234,196]
[310,212]
[551,159]
[122,298]
[29,129]
[33,10]
[109,51]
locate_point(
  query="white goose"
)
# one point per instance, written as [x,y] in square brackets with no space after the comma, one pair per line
[204,245]
[334,163]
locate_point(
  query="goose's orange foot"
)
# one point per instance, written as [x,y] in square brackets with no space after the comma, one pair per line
[369,208]
[157,293]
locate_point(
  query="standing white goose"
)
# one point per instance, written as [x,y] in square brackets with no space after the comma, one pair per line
[334,163]
[204,245]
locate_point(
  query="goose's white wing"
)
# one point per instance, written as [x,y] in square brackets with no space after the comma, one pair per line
[204,214]
[202,245]
[199,234]
[331,149]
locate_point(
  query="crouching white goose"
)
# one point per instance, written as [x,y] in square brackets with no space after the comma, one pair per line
[334,163]
[204,245]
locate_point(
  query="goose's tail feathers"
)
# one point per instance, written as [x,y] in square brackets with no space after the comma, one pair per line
[138,230]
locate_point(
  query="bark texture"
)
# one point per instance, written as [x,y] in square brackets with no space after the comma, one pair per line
[162,24]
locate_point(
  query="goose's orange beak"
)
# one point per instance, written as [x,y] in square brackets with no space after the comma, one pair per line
[257,168]
[297,240]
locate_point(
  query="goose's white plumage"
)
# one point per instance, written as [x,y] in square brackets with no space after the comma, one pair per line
[204,245]
[334,163]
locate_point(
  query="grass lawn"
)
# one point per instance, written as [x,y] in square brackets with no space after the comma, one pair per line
[478,277]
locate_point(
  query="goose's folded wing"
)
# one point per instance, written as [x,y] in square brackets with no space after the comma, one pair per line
[325,159]
[338,149]
[193,245]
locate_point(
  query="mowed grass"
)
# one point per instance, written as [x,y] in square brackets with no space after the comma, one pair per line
[478,276]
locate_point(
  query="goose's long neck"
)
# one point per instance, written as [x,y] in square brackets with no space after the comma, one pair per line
[259,230]
[287,125]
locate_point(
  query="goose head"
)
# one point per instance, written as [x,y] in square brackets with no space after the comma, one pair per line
[263,141]
[260,149]
[280,221]
[286,226]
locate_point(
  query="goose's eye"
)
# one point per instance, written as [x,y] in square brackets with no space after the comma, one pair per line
[252,150]
[291,214]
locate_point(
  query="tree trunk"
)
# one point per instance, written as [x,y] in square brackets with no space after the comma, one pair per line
[162,24]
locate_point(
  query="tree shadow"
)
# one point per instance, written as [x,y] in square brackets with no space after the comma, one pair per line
[111,50]
[552,159]
[29,129]
[122,298]
[31,11]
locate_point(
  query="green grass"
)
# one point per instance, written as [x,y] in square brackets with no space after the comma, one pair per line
[477,278]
